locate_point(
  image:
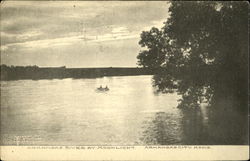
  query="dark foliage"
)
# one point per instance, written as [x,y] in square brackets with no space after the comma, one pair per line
[201,52]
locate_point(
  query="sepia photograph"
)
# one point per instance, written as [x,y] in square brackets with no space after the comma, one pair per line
[124,73]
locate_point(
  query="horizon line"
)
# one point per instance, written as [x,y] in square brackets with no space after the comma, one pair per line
[71,67]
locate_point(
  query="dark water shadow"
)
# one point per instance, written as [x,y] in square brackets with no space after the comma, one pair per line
[198,126]
[194,126]
[227,127]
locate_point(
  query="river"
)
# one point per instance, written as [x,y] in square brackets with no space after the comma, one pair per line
[72,112]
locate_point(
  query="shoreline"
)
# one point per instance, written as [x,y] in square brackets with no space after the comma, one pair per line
[40,73]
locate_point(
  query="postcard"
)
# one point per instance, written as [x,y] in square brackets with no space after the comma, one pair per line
[124,80]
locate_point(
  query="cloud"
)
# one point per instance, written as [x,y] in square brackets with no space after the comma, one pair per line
[23,36]
[120,30]
[46,26]
[57,20]
[158,24]
[48,43]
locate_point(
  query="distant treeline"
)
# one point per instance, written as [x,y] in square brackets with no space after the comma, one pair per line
[35,72]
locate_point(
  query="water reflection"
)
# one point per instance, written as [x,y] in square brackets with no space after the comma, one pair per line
[164,129]
[194,126]
[198,126]
[227,126]
[188,127]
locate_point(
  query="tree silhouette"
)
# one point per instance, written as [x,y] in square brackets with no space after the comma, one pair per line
[201,52]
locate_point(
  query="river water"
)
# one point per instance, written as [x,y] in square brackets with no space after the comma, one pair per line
[72,112]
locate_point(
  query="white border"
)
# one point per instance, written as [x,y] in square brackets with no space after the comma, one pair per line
[170,152]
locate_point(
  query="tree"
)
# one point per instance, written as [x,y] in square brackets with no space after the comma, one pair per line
[201,52]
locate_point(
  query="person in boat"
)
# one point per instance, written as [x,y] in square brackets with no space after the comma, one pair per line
[106,88]
[100,88]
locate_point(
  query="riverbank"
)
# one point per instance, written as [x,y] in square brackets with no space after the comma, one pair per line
[35,72]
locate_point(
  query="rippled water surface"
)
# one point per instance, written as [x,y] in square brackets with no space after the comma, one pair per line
[72,112]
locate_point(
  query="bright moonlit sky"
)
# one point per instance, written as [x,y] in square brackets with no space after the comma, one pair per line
[76,34]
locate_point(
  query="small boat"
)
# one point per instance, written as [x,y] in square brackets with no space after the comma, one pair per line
[103,89]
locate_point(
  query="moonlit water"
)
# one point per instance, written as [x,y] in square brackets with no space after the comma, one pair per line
[72,112]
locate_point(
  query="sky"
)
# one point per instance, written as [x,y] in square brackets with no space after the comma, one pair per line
[76,34]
